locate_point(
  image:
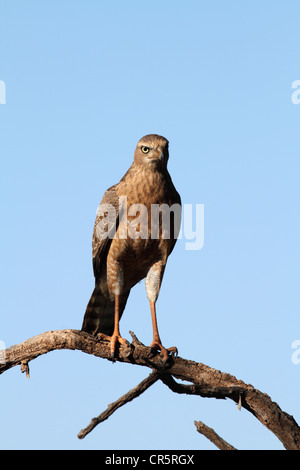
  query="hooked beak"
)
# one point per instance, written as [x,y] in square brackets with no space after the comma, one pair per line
[159,154]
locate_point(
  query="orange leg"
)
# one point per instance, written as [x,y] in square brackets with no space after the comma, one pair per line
[156,343]
[116,336]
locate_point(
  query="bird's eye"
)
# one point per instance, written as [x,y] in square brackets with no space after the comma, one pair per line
[145,149]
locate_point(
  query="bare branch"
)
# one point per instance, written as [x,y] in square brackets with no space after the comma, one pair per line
[203,390]
[213,436]
[129,396]
[205,381]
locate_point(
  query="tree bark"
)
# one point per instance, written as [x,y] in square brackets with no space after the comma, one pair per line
[205,381]
[213,436]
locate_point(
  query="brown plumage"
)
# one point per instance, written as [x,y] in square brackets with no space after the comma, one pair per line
[126,247]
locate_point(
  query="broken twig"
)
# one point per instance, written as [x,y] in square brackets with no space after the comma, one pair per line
[213,436]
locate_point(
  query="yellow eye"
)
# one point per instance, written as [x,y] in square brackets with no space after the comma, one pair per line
[145,149]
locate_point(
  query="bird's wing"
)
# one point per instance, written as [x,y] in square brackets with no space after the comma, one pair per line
[99,315]
[106,225]
[175,221]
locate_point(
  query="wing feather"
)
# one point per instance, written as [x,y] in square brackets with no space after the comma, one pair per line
[106,225]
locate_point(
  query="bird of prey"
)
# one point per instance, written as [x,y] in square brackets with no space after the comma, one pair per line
[128,248]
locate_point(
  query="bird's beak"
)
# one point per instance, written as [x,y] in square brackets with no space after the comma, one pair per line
[159,153]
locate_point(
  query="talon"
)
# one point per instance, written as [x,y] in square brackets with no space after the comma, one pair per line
[173,350]
[152,351]
[165,353]
[114,340]
[165,356]
[102,336]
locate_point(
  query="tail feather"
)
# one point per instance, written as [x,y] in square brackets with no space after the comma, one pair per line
[100,312]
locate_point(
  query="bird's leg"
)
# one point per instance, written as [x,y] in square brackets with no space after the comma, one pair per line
[153,282]
[116,337]
[156,344]
[115,281]
[156,337]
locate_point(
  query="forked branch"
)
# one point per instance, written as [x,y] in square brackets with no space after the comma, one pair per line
[204,381]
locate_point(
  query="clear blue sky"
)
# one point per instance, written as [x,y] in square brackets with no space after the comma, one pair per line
[84,81]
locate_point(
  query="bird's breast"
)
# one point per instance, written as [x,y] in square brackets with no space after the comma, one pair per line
[145,233]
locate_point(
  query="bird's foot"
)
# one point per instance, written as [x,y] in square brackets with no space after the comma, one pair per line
[115,340]
[166,353]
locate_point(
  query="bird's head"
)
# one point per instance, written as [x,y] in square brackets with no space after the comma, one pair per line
[151,149]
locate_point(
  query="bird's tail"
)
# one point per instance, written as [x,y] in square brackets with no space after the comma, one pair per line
[100,313]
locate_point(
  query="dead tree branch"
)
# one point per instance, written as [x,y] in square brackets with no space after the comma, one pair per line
[204,381]
[213,436]
[129,396]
